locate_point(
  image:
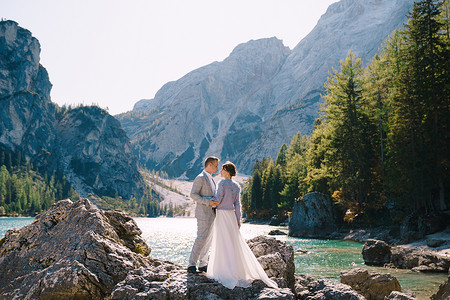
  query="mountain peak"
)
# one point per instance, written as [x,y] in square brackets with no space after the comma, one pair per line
[260,45]
[245,107]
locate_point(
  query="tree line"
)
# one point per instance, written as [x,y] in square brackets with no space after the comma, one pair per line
[381,142]
[25,191]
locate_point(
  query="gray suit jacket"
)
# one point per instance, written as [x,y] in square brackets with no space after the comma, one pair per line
[201,193]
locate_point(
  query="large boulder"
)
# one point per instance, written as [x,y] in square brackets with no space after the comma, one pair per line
[313,216]
[276,258]
[419,260]
[373,286]
[376,253]
[73,250]
[306,288]
[443,292]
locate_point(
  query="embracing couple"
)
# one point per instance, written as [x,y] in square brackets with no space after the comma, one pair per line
[218,214]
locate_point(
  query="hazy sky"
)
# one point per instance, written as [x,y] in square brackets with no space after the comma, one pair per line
[115,53]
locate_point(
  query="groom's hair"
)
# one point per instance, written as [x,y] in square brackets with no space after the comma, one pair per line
[210,159]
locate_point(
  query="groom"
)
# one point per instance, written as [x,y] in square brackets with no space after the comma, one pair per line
[202,192]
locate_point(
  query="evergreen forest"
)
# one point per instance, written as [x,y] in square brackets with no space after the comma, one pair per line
[380,147]
[25,190]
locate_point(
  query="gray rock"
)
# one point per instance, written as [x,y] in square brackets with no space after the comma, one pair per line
[373,286]
[178,284]
[418,260]
[277,232]
[376,253]
[167,283]
[257,98]
[276,258]
[312,216]
[73,250]
[388,234]
[323,289]
[443,292]
[434,243]
[275,221]
[399,296]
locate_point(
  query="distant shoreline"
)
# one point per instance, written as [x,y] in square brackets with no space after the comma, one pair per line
[18,217]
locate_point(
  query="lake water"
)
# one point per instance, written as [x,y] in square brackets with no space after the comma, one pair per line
[172,239]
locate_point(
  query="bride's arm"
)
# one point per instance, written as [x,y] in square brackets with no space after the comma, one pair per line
[237,207]
[219,193]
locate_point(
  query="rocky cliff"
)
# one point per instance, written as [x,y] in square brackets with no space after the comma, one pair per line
[95,153]
[26,112]
[86,144]
[245,107]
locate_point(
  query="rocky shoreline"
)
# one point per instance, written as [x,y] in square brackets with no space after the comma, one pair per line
[77,251]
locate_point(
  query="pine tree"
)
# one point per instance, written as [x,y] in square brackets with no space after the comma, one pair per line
[350,159]
[256,193]
[267,181]
[419,136]
[4,176]
[282,156]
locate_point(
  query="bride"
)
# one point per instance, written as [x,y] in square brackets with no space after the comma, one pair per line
[231,261]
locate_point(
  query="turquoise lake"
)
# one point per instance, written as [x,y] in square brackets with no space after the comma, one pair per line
[172,239]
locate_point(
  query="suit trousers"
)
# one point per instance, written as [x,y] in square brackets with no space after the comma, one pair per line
[202,243]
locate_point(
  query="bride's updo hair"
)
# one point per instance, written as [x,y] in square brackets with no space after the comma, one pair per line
[230,168]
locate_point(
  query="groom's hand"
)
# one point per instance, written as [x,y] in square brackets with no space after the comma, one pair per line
[213,202]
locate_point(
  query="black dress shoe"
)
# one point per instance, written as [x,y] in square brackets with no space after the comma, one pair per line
[203,269]
[193,270]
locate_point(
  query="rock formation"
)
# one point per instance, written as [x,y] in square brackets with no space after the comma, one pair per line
[277,232]
[74,250]
[443,292]
[86,144]
[95,153]
[419,260]
[245,107]
[313,216]
[26,112]
[276,258]
[379,253]
[178,284]
[373,286]
[77,251]
[394,295]
[376,253]
[307,288]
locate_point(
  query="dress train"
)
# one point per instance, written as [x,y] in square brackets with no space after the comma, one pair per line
[232,262]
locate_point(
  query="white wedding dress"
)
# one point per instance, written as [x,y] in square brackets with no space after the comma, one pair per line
[231,261]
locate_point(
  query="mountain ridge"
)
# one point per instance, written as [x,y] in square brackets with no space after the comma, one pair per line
[270,103]
[86,144]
